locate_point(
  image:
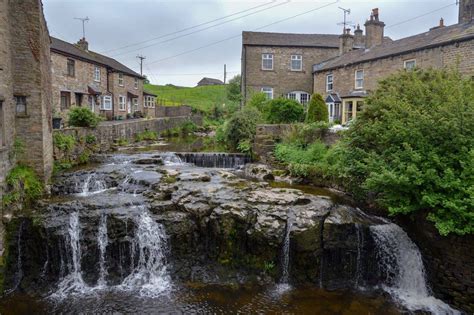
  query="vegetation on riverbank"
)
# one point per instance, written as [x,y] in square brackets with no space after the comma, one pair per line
[411,149]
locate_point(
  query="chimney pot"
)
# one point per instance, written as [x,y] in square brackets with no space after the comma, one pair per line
[83,44]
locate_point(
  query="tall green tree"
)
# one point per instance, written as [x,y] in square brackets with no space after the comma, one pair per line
[233,89]
[317,109]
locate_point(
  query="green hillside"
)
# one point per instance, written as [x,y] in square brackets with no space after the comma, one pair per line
[203,98]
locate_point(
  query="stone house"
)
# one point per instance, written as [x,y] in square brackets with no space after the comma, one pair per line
[280,65]
[82,77]
[149,104]
[345,81]
[209,81]
[25,89]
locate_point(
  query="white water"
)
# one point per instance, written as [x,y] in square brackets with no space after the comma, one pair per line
[402,263]
[171,159]
[102,241]
[91,187]
[360,246]
[150,275]
[73,282]
[284,285]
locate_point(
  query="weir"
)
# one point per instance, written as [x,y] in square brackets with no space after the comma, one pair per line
[218,160]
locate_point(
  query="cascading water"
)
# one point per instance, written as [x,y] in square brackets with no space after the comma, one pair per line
[150,274]
[102,241]
[19,270]
[219,160]
[73,282]
[401,262]
[285,256]
[92,186]
[360,246]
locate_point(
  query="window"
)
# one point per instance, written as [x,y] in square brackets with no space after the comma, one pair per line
[120,79]
[296,62]
[135,104]
[152,101]
[78,99]
[97,74]
[329,82]
[65,100]
[121,102]
[106,103]
[71,67]
[268,91]
[292,96]
[20,105]
[359,79]
[409,64]
[149,101]
[135,85]
[267,62]
[304,98]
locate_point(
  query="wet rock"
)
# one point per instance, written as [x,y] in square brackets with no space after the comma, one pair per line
[149,161]
[259,172]
[197,177]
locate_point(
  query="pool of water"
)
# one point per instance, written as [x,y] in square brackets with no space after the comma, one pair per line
[195,298]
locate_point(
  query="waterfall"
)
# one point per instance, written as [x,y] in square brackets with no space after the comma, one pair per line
[220,160]
[171,159]
[73,282]
[360,246]
[284,285]
[401,262]
[102,241]
[90,186]
[149,274]
[19,269]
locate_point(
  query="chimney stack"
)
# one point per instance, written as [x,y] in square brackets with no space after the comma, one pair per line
[374,30]
[346,41]
[441,25]
[83,44]
[466,11]
[359,41]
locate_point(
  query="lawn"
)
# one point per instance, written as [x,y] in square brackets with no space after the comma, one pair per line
[203,98]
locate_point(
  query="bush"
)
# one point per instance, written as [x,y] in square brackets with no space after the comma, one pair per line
[23,185]
[91,139]
[317,109]
[258,101]
[305,134]
[83,117]
[241,126]
[413,147]
[147,135]
[188,127]
[64,143]
[303,161]
[233,89]
[283,111]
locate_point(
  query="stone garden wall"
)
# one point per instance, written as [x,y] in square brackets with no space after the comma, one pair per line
[173,111]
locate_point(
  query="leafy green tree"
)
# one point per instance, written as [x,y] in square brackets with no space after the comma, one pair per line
[233,89]
[413,148]
[282,111]
[317,109]
[258,101]
[241,126]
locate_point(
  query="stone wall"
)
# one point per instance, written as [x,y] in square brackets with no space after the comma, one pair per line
[173,111]
[268,136]
[282,79]
[107,133]
[457,55]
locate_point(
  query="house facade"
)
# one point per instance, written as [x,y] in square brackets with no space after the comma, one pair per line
[84,78]
[25,89]
[280,65]
[347,80]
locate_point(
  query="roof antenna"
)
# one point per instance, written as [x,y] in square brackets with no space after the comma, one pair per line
[346,23]
[84,20]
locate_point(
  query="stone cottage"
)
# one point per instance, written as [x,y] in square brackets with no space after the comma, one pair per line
[209,81]
[346,80]
[25,89]
[82,77]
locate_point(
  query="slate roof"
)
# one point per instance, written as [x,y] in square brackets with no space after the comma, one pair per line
[290,40]
[433,38]
[62,47]
[208,81]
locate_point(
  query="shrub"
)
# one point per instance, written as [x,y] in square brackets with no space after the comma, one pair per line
[283,111]
[305,134]
[83,117]
[233,89]
[303,161]
[63,142]
[23,185]
[317,110]
[91,139]
[413,147]
[188,127]
[146,135]
[241,126]
[258,101]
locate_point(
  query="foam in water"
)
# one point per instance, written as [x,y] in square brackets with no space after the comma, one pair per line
[102,241]
[401,261]
[150,274]
[171,159]
[90,186]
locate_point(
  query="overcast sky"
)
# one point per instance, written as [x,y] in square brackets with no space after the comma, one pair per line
[115,24]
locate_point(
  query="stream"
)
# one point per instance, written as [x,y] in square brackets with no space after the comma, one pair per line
[164,232]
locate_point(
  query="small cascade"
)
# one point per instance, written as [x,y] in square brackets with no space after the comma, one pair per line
[149,250]
[286,251]
[102,241]
[401,263]
[19,269]
[360,246]
[217,160]
[73,282]
[92,185]
[171,159]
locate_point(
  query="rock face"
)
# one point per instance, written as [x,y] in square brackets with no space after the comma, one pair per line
[220,228]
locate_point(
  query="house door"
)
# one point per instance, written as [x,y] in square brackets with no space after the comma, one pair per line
[129,106]
[92,103]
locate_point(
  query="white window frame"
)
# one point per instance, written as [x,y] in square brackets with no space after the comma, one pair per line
[106,102]
[152,101]
[96,73]
[122,101]
[135,104]
[329,82]
[268,91]
[266,57]
[409,61]
[135,84]
[296,58]
[359,82]
[120,79]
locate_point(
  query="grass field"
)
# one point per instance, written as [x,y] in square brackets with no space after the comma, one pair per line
[203,98]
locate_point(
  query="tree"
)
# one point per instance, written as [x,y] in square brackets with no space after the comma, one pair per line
[146,80]
[317,109]
[233,89]
[283,111]
[241,127]
[413,148]
[258,101]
